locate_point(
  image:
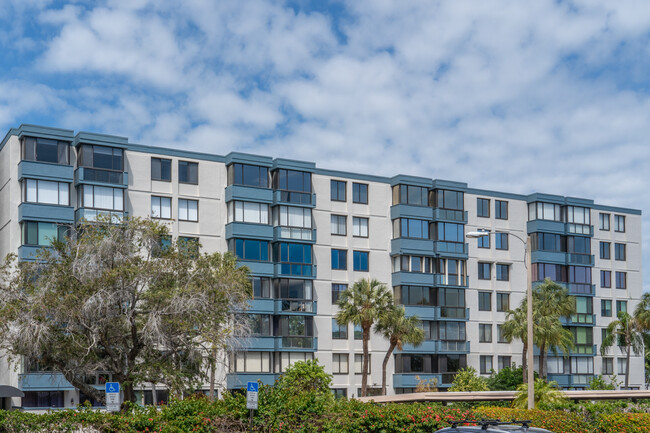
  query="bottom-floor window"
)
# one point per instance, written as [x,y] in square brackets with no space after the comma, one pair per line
[485,364]
[285,359]
[251,362]
[339,392]
[162,396]
[41,233]
[43,399]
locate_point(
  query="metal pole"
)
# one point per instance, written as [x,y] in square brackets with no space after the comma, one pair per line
[251,421]
[529,319]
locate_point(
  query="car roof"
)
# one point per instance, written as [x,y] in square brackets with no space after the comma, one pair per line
[504,428]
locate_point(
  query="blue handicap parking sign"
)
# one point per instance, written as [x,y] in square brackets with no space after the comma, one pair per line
[252,387]
[112,387]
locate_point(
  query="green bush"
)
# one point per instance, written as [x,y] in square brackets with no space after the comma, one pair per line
[556,421]
[623,422]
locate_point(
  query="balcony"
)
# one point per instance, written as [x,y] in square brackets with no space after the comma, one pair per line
[84,214]
[284,306]
[43,381]
[411,246]
[249,230]
[259,269]
[556,257]
[582,289]
[452,249]
[259,343]
[294,233]
[451,280]
[294,198]
[427,346]
[294,270]
[452,313]
[424,312]
[101,177]
[455,216]
[262,306]
[545,226]
[29,252]
[45,213]
[580,259]
[240,380]
[296,344]
[412,278]
[45,171]
[581,319]
[452,346]
[411,380]
[571,380]
[579,229]
[410,211]
[249,193]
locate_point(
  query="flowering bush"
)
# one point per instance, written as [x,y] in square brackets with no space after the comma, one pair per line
[556,421]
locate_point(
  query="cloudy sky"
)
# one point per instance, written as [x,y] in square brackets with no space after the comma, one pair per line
[522,96]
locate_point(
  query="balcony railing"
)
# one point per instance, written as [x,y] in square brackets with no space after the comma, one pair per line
[297,343]
[581,289]
[86,174]
[294,197]
[295,233]
[453,312]
[452,346]
[295,269]
[449,247]
[450,215]
[450,280]
[583,319]
[580,259]
[93,214]
[295,306]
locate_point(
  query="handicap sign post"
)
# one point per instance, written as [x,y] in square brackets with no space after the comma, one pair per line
[113,396]
[252,389]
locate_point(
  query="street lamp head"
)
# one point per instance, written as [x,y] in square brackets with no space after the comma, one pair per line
[477,234]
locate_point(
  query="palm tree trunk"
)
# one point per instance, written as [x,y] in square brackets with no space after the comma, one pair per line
[524,362]
[364,375]
[542,360]
[383,367]
[627,367]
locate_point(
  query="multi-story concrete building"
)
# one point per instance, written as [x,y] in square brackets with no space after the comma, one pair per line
[307,233]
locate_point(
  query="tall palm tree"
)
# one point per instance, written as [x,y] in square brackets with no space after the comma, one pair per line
[627,334]
[362,304]
[642,313]
[398,329]
[516,328]
[550,334]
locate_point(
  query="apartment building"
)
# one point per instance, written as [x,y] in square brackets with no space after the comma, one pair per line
[307,233]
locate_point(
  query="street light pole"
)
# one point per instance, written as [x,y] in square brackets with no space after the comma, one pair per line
[529,310]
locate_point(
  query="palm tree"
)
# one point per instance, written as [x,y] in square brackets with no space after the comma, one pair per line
[398,330]
[516,327]
[642,313]
[545,393]
[362,304]
[627,334]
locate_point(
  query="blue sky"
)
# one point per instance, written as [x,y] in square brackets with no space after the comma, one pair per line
[546,96]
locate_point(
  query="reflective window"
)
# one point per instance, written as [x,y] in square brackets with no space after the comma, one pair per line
[161,169]
[339,259]
[410,228]
[484,301]
[501,210]
[102,157]
[248,175]
[411,195]
[46,150]
[606,307]
[619,252]
[43,234]
[621,280]
[292,180]
[605,248]
[606,279]
[360,193]
[453,200]
[483,207]
[501,241]
[619,223]
[484,271]
[339,332]
[450,232]
[603,221]
[484,333]
[250,249]
[503,302]
[503,272]
[336,291]
[188,172]
[337,190]
[360,261]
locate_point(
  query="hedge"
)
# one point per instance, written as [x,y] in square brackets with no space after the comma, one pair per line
[555,421]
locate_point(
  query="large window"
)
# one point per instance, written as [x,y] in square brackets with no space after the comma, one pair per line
[42,234]
[339,225]
[289,288]
[501,241]
[339,332]
[619,252]
[46,150]
[605,248]
[290,216]
[619,223]
[340,363]
[188,210]
[484,271]
[250,249]
[621,280]
[43,399]
[188,172]
[413,264]
[603,220]
[484,333]
[161,207]
[453,200]
[339,259]
[294,259]
[483,207]
[248,212]
[451,331]
[578,245]
[260,324]
[547,242]
[360,193]
[411,195]
[101,157]
[261,287]
[415,295]
[450,232]
[501,210]
[252,362]
[337,190]
[102,197]
[360,227]
[161,169]
[410,228]
[557,273]
[544,211]
[248,175]
[360,261]
[47,192]
[503,272]
[296,185]
[578,215]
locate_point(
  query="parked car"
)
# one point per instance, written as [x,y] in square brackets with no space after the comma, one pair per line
[492,426]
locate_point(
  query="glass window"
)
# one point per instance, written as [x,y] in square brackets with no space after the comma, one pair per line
[544,211]
[339,332]
[189,246]
[291,216]
[621,280]
[360,193]
[505,361]
[360,227]
[339,259]
[503,272]
[47,192]
[338,224]
[250,249]
[161,169]
[46,150]
[484,301]
[500,337]
[483,207]
[252,362]
[295,259]
[248,175]
[582,365]
[43,234]
[605,250]
[486,364]
[358,332]
[410,228]
[619,252]
[260,324]
[261,287]
[503,302]
[411,195]
[188,172]
[619,223]
[337,190]
[286,288]
[548,242]
[451,331]
[606,279]
[501,241]
[163,244]
[337,289]
[450,232]
[608,366]
[161,207]
[43,399]
[501,210]
[483,242]
[415,295]
[360,261]
[603,220]
[101,197]
[453,200]
[484,333]
[621,306]
[578,215]
[340,363]
[622,366]
[358,363]
[606,307]
[484,271]
[248,212]
[292,180]
[188,210]
[102,157]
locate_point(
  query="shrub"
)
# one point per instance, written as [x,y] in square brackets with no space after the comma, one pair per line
[623,422]
[467,380]
[556,421]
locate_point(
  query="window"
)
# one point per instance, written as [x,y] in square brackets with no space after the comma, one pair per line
[413,264]
[358,363]
[619,252]
[503,302]
[260,324]
[411,195]
[161,169]
[500,337]
[608,365]
[619,223]
[548,242]
[360,193]
[338,224]
[504,361]
[486,364]
[337,190]
[248,175]
[582,365]
[188,172]
[47,192]
[102,197]
[605,250]
[189,246]
[101,157]
[451,331]
[294,258]
[453,200]
[43,399]
[415,295]
[360,227]
[483,241]
[252,362]
[248,212]
[250,249]
[503,272]
[450,232]
[603,220]
[606,308]
[501,210]
[542,271]
[358,332]
[544,211]
[339,259]
[621,280]
[606,279]
[483,207]
[46,150]
[339,332]
[578,215]
[336,291]
[340,363]
[42,234]
[188,210]
[484,271]
[286,288]
[339,393]
[484,301]
[360,261]
[295,222]
[410,228]
[161,207]
[261,287]
[484,333]
[163,245]
[292,180]
[622,366]
[501,241]
[621,306]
